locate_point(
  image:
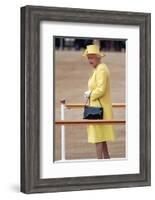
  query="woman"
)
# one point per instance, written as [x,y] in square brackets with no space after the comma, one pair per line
[99,89]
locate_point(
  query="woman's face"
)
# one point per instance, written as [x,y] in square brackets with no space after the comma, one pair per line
[93,59]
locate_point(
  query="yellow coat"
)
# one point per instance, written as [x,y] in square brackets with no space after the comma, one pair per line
[99,84]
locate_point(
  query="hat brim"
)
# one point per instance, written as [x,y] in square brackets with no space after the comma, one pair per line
[85,54]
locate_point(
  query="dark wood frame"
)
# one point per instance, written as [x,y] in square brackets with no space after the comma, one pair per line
[31,16]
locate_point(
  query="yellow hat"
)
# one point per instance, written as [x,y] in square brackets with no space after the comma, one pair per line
[93,49]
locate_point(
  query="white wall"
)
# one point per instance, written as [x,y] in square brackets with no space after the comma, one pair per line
[10,99]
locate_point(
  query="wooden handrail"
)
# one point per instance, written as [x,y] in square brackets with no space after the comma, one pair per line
[80,105]
[61,122]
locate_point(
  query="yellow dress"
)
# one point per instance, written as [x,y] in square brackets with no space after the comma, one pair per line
[99,84]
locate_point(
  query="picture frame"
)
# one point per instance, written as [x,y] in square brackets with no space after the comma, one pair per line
[31,17]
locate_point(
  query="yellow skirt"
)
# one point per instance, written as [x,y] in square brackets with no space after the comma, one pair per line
[100,133]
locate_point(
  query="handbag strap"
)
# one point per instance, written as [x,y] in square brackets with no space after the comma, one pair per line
[88,100]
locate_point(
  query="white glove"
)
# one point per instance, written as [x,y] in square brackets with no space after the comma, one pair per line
[87,94]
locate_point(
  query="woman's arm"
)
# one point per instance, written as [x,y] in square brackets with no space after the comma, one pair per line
[101,79]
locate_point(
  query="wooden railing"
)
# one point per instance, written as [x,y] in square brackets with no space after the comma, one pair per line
[64,122]
[80,105]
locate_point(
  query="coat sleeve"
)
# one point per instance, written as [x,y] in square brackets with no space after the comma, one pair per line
[101,79]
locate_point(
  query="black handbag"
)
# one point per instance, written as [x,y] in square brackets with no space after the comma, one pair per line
[91,112]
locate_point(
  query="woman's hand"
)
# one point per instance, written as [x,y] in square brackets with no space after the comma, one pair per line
[87,94]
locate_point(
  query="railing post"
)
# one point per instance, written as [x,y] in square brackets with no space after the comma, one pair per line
[62,130]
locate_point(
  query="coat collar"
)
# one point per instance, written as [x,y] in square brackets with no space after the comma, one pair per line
[94,69]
